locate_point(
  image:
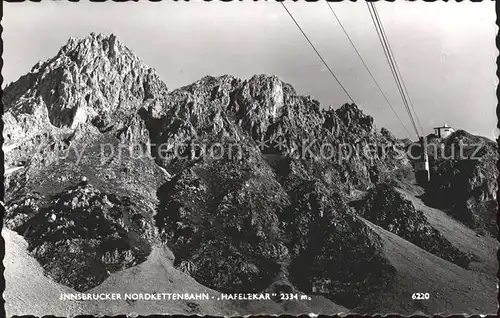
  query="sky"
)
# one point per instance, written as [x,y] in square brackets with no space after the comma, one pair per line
[445,51]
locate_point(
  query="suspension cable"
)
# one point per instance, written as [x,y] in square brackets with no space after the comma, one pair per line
[397,69]
[367,68]
[390,60]
[319,55]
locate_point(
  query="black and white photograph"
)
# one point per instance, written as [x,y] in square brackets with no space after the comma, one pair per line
[250,158]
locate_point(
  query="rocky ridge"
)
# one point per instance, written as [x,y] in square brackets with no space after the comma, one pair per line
[388,208]
[464,179]
[93,81]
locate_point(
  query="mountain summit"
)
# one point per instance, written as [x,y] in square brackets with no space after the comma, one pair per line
[95,78]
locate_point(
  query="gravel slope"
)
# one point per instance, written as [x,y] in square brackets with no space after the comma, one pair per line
[29,291]
[452,289]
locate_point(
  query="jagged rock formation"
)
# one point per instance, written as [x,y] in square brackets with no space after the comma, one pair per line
[81,235]
[464,179]
[388,208]
[96,80]
[61,121]
[221,216]
[240,198]
[246,181]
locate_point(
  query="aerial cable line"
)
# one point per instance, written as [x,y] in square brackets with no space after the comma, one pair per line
[396,65]
[368,69]
[383,42]
[397,69]
[390,61]
[319,55]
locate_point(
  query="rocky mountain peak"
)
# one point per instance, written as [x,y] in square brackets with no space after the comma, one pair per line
[94,43]
[351,115]
[97,48]
[92,79]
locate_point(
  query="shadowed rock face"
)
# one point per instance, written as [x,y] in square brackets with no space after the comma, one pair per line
[464,179]
[388,208]
[255,206]
[81,235]
[331,249]
[232,174]
[221,218]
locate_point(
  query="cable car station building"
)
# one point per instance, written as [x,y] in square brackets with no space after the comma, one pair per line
[443,131]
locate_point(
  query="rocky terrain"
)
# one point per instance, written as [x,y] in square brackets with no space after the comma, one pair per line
[249,184]
[464,179]
[388,208]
